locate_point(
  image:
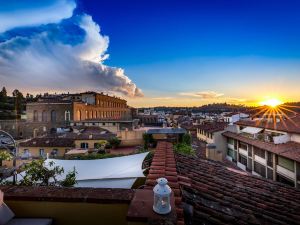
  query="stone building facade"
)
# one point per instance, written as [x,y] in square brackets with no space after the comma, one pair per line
[47,114]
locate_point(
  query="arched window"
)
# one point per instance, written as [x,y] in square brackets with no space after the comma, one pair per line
[35,115]
[79,115]
[86,114]
[53,116]
[67,115]
[44,116]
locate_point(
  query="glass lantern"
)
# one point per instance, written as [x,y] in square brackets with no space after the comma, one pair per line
[162,197]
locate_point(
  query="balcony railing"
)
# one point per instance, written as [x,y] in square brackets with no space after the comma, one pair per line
[267,137]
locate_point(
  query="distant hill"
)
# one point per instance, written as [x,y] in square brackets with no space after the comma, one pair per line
[222,107]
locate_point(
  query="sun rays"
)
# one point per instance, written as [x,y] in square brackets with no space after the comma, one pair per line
[274,111]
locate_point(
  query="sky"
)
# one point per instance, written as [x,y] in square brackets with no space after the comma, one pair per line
[154,53]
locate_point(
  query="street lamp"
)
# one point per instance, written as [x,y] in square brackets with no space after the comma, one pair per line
[162,197]
[14,152]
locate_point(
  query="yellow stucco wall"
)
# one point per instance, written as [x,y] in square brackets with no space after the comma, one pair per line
[71,213]
[90,143]
[131,138]
[35,151]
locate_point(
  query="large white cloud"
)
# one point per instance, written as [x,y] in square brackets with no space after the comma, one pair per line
[32,16]
[46,60]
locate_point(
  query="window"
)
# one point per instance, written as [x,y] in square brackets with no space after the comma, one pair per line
[230,153]
[54,152]
[234,156]
[53,116]
[243,145]
[249,164]
[270,173]
[235,144]
[285,180]
[44,116]
[250,151]
[243,160]
[260,169]
[35,115]
[26,154]
[42,152]
[230,141]
[269,159]
[259,152]
[286,163]
[67,115]
[78,115]
[298,171]
[84,145]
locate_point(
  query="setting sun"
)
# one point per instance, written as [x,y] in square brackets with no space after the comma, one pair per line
[272,102]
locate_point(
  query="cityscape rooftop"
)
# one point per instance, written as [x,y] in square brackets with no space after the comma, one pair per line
[128,112]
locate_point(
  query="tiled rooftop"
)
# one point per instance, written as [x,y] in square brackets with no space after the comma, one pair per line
[48,142]
[57,194]
[289,150]
[164,165]
[213,126]
[216,194]
[291,125]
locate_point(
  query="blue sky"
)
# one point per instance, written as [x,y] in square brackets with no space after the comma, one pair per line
[190,52]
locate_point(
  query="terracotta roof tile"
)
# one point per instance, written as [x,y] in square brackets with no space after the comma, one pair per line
[164,165]
[48,142]
[222,196]
[212,126]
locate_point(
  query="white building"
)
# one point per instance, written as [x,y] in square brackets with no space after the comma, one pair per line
[267,149]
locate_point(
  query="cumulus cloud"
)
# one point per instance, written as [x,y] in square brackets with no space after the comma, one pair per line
[203,94]
[20,16]
[67,56]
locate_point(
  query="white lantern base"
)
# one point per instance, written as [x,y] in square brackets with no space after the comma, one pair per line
[162,212]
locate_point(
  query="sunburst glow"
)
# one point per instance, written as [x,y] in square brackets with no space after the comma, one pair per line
[272,102]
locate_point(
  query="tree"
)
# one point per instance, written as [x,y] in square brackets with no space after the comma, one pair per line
[18,100]
[29,97]
[100,144]
[38,174]
[187,139]
[146,139]
[4,155]
[183,148]
[114,142]
[3,95]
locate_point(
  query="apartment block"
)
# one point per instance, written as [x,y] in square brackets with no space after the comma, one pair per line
[211,133]
[270,149]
